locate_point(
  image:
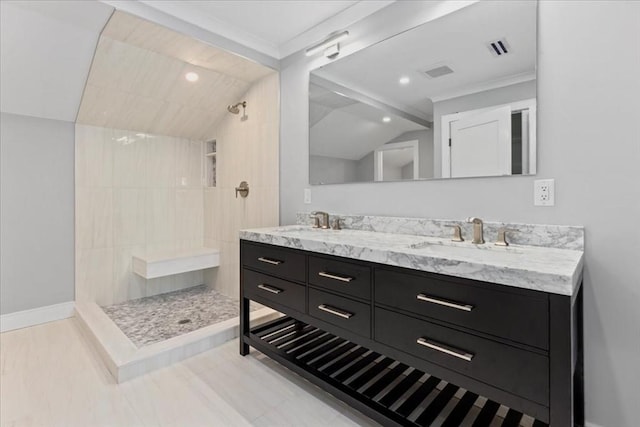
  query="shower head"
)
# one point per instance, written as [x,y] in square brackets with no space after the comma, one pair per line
[234,108]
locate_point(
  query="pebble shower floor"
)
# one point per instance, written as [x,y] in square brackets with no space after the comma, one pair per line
[160,317]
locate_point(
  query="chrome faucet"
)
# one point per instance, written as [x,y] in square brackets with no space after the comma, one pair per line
[502,236]
[321,219]
[457,233]
[478,235]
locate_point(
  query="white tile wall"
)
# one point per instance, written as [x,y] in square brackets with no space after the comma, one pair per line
[140,194]
[95,225]
[94,156]
[129,216]
[129,159]
[188,163]
[94,270]
[161,215]
[135,194]
[161,162]
[247,151]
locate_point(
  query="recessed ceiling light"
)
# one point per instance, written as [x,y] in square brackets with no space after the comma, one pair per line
[191,76]
[386,119]
[404,80]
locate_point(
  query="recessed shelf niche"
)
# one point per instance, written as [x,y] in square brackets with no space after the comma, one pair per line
[210,156]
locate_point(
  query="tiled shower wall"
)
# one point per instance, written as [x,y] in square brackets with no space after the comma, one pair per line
[247,151]
[135,194]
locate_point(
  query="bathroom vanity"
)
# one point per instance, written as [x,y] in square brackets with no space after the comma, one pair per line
[411,328]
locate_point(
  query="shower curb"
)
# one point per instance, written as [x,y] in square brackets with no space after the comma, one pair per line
[125,361]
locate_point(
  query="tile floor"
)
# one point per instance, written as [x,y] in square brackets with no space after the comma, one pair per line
[50,376]
[157,318]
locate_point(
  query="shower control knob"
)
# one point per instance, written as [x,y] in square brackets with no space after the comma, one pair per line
[243,189]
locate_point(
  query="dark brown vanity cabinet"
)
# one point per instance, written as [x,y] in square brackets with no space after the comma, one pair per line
[390,340]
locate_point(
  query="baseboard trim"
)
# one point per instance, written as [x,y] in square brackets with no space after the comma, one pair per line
[588,424]
[36,316]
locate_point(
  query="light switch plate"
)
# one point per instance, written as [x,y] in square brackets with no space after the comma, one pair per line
[544,192]
[307,196]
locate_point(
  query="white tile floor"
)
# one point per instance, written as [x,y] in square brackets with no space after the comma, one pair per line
[50,376]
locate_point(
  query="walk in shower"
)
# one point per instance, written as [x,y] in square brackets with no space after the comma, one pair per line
[158,157]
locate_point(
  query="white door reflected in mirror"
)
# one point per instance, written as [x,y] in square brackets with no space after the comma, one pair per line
[397,161]
[492,141]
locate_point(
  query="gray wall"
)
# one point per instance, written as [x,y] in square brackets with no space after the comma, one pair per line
[425,150]
[366,169]
[37,208]
[589,141]
[474,101]
[407,171]
[332,169]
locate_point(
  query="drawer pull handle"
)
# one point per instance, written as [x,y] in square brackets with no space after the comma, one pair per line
[270,261]
[427,298]
[335,311]
[335,277]
[445,349]
[268,288]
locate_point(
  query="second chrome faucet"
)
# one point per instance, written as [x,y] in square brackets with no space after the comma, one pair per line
[478,232]
[321,220]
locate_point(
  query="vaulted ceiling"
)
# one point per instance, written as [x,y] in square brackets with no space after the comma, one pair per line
[45,55]
[47,47]
[137,81]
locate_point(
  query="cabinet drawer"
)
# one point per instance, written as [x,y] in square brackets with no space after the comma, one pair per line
[272,289]
[340,276]
[275,261]
[517,371]
[521,318]
[339,311]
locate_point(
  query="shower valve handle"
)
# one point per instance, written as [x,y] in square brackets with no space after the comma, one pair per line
[243,189]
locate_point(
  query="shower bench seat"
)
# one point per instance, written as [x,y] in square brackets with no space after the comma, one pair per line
[169,263]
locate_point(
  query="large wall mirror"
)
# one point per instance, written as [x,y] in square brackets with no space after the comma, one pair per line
[454,97]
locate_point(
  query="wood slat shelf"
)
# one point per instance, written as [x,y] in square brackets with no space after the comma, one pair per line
[398,394]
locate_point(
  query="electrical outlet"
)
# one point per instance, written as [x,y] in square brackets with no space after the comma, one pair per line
[307,196]
[544,192]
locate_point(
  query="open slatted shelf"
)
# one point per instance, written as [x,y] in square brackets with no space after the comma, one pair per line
[386,389]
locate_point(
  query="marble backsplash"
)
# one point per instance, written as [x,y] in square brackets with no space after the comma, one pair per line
[552,236]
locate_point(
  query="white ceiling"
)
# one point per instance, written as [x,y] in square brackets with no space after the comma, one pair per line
[47,46]
[45,55]
[277,28]
[458,40]
[347,129]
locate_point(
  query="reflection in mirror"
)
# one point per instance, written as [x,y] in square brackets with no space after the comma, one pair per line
[396,161]
[461,87]
[491,141]
[347,133]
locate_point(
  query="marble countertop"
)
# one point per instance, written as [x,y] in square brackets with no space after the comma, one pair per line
[552,270]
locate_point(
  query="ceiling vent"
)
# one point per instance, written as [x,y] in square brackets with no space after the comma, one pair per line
[438,71]
[499,47]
